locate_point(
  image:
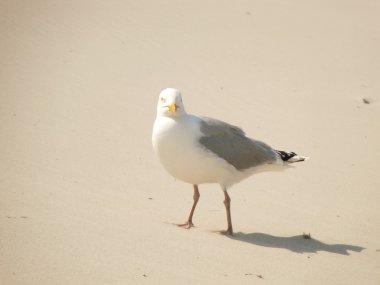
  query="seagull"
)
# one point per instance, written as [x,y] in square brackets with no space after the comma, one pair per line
[200,150]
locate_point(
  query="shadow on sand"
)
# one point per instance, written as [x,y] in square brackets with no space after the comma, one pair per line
[295,243]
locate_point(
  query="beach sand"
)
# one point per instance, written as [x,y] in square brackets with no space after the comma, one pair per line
[84,200]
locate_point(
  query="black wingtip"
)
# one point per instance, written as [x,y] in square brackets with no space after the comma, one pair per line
[285,156]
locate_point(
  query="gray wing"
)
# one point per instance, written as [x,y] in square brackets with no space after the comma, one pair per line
[230,143]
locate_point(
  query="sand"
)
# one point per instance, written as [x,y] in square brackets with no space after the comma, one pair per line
[84,200]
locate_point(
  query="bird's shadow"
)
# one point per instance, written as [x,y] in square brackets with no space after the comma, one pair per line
[298,244]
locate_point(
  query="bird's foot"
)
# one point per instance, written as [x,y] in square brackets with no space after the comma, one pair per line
[187,225]
[228,232]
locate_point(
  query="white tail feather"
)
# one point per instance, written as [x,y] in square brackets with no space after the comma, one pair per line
[297,158]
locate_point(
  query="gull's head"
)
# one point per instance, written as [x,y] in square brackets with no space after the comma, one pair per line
[170,103]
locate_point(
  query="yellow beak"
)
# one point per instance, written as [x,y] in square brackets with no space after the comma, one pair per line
[173,108]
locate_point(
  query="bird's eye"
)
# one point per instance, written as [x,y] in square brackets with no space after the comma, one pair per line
[163,100]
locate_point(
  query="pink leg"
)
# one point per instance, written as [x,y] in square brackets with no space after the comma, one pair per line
[189,222]
[227,203]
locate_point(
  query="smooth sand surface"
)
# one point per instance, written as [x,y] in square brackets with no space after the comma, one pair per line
[84,200]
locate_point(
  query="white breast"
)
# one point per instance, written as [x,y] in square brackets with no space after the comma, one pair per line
[175,142]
